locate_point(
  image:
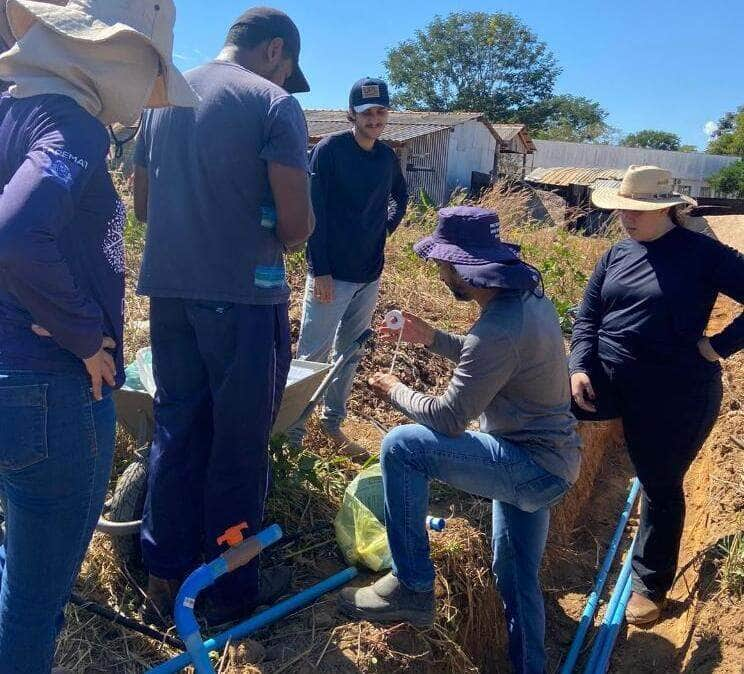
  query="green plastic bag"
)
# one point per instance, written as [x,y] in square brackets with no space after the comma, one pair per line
[360,523]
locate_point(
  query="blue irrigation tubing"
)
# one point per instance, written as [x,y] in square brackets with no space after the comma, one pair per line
[593,601]
[205,576]
[614,629]
[604,628]
[261,620]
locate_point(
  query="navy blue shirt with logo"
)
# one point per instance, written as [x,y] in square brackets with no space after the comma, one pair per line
[61,237]
[211,223]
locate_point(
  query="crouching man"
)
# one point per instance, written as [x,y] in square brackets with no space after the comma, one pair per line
[512,373]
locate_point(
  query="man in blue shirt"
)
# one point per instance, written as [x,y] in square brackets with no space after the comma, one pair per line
[354,179]
[225,191]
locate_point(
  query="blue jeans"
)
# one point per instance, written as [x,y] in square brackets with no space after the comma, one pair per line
[328,329]
[56,450]
[220,370]
[522,493]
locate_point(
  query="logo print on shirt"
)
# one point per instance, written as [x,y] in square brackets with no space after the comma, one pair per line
[62,172]
[113,242]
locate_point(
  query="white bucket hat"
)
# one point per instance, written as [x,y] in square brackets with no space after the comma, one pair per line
[96,21]
[644,188]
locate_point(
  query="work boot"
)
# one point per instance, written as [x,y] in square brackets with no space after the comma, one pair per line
[274,583]
[388,601]
[642,610]
[161,596]
[344,445]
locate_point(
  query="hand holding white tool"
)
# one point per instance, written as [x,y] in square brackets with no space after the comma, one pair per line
[394,320]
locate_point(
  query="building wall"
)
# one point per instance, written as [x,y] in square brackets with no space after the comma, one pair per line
[690,169]
[472,147]
[424,164]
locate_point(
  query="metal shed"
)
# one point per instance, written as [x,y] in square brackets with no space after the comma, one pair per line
[439,151]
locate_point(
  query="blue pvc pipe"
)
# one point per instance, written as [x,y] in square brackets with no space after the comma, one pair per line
[198,580]
[263,619]
[615,600]
[614,629]
[592,602]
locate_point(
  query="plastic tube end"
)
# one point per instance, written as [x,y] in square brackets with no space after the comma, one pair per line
[436,523]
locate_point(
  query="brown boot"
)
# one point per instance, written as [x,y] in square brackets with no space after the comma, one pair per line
[344,445]
[161,595]
[642,610]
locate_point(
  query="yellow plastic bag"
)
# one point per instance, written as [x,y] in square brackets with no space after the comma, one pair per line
[360,523]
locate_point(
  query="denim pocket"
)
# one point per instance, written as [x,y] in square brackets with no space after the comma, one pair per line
[23,426]
[542,492]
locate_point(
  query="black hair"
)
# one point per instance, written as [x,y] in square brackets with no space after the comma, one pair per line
[678,214]
[243,36]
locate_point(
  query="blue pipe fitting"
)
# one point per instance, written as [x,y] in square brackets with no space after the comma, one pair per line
[259,621]
[436,523]
[198,580]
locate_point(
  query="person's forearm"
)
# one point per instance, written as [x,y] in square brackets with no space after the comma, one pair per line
[447,345]
[432,411]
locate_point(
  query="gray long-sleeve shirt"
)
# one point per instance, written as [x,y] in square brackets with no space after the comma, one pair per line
[513,374]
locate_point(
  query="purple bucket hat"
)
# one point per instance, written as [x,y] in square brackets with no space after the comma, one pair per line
[468,238]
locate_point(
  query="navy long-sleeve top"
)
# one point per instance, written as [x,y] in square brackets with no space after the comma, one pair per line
[359,198]
[61,237]
[648,303]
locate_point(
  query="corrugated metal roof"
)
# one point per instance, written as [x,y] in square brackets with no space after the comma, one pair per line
[402,117]
[565,175]
[402,125]
[683,165]
[394,133]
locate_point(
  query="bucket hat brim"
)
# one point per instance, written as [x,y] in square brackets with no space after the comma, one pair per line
[497,266]
[76,25]
[434,248]
[609,199]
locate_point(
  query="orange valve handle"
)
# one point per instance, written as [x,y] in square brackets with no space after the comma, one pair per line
[234,535]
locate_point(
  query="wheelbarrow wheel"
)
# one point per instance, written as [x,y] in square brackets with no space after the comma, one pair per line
[127,505]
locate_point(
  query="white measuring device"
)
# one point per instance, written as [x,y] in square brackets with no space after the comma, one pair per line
[394,320]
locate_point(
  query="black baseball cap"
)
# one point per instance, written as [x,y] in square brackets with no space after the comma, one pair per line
[369,93]
[269,23]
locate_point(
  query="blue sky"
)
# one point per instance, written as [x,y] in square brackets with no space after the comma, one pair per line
[662,65]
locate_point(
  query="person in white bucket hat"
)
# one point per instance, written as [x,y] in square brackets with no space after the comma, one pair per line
[74,68]
[639,352]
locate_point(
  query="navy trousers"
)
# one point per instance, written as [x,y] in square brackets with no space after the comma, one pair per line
[667,416]
[220,370]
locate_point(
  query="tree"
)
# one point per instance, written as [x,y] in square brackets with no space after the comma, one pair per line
[729,138]
[729,180]
[566,117]
[653,139]
[687,148]
[492,63]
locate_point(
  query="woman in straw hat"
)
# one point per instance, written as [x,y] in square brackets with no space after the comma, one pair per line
[74,69]
[639,353]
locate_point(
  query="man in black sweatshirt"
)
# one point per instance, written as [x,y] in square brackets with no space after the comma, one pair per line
[355,177]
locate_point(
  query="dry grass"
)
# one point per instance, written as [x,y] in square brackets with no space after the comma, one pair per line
[469,631]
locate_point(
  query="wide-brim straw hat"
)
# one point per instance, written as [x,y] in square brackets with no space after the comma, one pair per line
[96,21]
[643,188]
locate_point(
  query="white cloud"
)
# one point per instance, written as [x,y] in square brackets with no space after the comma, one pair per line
[710,128]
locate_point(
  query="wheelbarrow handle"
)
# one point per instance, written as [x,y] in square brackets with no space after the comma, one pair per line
[357,344]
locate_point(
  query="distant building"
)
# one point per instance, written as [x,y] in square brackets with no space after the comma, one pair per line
[439,151]
[690,170]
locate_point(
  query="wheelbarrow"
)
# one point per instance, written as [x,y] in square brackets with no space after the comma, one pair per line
[122,518]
